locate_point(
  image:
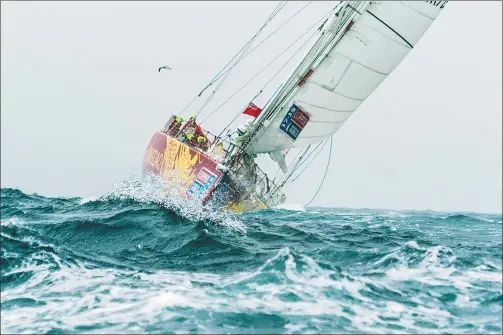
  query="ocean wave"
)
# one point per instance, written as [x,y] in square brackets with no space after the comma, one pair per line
[473,218]
[136,260]
[287,286]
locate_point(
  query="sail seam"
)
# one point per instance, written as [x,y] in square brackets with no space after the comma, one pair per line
[340,78]
[404,3]
[346,96]
[361,64]
[328,109]
[393,30]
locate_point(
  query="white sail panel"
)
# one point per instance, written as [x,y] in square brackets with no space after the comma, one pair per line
[375,44]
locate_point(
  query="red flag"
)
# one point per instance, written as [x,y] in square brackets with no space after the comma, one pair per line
[252,110]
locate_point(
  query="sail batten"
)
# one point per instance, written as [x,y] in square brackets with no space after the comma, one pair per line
[353,55]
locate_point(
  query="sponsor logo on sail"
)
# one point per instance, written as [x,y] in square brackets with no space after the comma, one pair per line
[294,121]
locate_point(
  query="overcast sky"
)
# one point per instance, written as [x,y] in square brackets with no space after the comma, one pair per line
[81,97]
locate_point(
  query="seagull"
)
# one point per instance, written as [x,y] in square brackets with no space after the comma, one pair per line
[163,67]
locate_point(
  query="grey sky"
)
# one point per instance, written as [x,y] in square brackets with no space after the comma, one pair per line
[81,97]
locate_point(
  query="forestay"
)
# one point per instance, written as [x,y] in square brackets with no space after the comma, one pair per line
[368,42]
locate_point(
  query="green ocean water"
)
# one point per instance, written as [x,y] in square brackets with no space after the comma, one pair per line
[128,262]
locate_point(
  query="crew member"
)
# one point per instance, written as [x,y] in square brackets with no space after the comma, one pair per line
[202,142]
[175,125]
[190,124]
[198,131]
[191,140]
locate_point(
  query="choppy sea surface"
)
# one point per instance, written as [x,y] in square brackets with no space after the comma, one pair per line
[135,261]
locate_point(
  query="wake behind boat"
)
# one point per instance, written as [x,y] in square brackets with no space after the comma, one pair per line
[357,45]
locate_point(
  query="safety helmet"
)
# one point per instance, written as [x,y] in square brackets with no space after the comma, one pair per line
[190,136]
[192,118]
[201,139]
[178,119]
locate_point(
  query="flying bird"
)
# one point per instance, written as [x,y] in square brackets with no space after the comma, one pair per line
[164,67]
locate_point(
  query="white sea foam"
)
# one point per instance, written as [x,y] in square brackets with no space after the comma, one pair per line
[164,296]
[153,189]
[13,221]
[291,207]
[85,200]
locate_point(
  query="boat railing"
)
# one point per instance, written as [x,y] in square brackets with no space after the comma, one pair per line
[240,161]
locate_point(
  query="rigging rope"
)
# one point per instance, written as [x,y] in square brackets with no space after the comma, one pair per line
[242,55]
[277,172]
[246,84]
[255,76]
[295,165]
[188,105]
[219,74]
[265,39]
[288,174]
[308,164]
[323,180]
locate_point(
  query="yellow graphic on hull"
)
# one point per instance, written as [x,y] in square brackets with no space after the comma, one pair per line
[179,160]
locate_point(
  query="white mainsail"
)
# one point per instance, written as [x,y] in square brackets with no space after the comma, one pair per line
[359,47]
